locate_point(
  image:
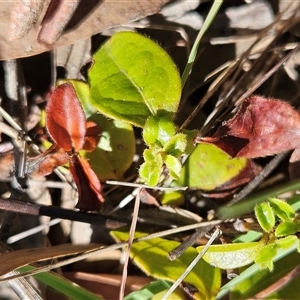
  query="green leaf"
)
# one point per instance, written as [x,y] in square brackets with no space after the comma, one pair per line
[174,166]
[176,145]
[285,228]
[150,170]
[265,216]
[133,78]
[174,198]
[261,280]
[265,256]
[287,242]
[208,167]
[158,130]
[116,148]
[231,256]
[282,209]
[155,290]
[152,257]
[190,136]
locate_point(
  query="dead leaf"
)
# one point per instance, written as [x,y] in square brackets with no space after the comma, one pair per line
[90,18]
[261,127]
[57,16]
[45,163]
[24,257]
[107,285]
[23,16]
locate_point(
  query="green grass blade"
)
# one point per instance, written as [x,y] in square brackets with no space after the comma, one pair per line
[209,19]
[149,291]
[248,204]
[62,285]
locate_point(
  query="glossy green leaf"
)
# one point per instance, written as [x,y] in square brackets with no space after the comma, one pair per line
[174,166]
[158,130]
[286,242]
[265,256]
[208,167]
[174,198]
[231,256]
[155,290]
[265,216]
[285,228]
[152,257]
[133,78]
[176,146]
[282,209]
[150,170]
[116,148]
[259,281]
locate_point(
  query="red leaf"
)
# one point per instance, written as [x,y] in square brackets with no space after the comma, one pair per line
[88,184]
[65,118]
[45,163]
[92,137]
[261,127]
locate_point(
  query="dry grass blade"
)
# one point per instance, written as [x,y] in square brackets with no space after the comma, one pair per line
[24,257]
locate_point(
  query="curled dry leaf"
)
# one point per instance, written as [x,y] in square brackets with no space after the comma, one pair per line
[65,119]
[88,184]
[55,20]
[23,15]
[261,127]
[45,163]
[91,17]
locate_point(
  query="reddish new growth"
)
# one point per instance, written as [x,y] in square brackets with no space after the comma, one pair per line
[261,127]
[67,126]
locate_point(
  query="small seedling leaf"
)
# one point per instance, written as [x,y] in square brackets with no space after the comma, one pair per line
[174,166]
[282,209]
[150,170]
[265,256]
[285,228]
[286,242]
[265,216]
[176,146]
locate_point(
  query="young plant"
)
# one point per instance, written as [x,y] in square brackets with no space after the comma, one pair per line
[134,80]
[276,235]
[70,132]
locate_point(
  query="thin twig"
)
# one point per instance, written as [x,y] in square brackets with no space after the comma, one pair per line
[139,185]
[130,241]
[258,179]
[109,248]
[192,265]
[175,253]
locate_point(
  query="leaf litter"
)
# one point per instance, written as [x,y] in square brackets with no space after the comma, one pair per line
[278,87]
